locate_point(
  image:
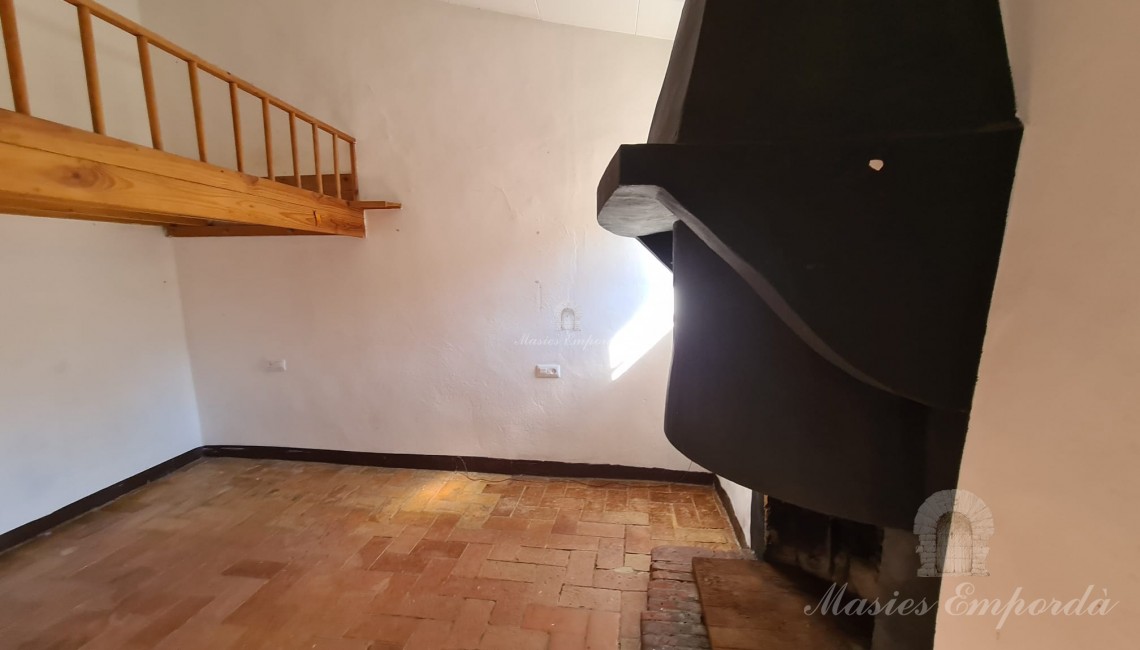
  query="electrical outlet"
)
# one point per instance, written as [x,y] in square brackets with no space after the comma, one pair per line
[276,365]
[548,371]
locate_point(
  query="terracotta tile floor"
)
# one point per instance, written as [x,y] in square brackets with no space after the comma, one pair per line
[233,553]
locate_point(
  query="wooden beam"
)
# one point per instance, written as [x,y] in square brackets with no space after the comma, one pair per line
[44,178]
[51,166]
[374,205]
[43,134]
[233,230]
[39,208]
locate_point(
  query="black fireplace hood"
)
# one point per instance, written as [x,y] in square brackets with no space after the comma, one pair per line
[829,182]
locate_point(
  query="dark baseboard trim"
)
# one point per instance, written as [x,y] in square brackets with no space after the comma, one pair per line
[32,529]
[476,464]
[737,529]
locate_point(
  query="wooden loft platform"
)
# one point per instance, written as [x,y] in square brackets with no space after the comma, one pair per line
[52,170]
[57,171]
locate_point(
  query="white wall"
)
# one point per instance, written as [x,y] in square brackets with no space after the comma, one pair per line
[1054,443]
[740,501]
[493,131]
[95,381]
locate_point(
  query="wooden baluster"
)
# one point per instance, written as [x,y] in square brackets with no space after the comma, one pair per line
[296,150]
[91,69]
[236,114]
[317,159]
[15,57]
[268,138]
[196,99]
[355,176]
[336,165]
[148,90]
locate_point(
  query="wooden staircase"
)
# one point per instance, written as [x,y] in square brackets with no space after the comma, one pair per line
[52,170]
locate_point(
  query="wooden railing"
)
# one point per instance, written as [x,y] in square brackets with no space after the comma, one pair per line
[87,10]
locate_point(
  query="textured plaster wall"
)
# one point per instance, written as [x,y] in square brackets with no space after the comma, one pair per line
[95,381]
[1053,445]
[493,131]
[740,501]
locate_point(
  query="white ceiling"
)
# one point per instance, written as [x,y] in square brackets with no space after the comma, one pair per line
[652,18]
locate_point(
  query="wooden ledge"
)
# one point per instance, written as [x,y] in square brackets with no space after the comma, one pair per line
[374,205]
[52,170]
[232,230]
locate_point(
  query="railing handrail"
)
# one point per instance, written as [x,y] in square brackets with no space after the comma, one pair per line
[195,64]
[137,30]
[15,56]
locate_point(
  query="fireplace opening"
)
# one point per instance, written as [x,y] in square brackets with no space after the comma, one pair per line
[836,550]
[825,582]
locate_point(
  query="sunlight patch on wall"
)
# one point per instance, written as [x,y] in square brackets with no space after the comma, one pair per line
[652,321]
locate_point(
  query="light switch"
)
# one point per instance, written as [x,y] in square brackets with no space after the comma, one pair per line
[275,365]
[548,371]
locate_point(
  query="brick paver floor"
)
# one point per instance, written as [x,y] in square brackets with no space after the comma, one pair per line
[278,555]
